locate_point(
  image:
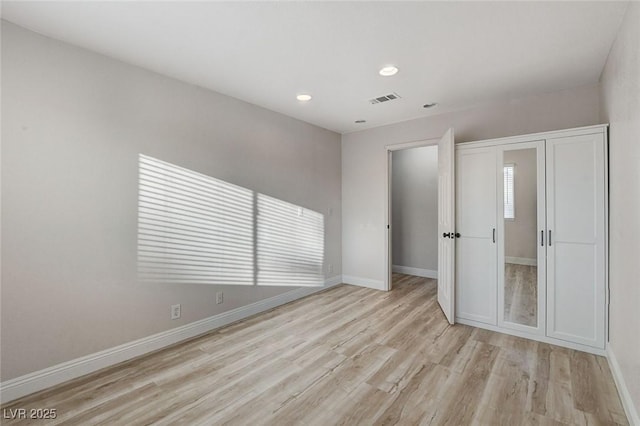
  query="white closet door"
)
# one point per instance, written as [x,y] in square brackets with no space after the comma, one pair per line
[576,239]
[476,223]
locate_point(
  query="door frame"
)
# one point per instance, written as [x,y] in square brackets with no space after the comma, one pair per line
[389,149]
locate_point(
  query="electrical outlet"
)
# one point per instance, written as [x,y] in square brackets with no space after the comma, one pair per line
[219,297]
[175,311]
[330,267]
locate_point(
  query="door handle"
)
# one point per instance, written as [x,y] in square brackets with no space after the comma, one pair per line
[542,238]
[446,234]
[457,235]
[549,237]
[494,235]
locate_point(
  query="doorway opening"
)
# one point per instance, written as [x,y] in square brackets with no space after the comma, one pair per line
[414,212]
[414,156]
[446,218]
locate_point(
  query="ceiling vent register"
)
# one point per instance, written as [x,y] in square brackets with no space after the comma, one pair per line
[386,98]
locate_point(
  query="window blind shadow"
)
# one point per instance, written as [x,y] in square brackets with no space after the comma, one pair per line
[196,229]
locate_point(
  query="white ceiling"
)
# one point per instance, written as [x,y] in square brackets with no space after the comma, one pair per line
[455,53]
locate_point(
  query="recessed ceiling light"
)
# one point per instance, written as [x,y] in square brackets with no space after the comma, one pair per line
[430,105]
[303,97]
[388,71]
[360,121]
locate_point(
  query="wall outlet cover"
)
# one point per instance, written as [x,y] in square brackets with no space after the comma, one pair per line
[175,311]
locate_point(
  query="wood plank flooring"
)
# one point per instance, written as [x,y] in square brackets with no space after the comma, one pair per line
[345,356]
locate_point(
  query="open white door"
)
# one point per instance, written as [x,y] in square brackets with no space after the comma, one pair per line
[446,226]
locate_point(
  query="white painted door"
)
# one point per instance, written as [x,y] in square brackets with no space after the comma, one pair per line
[576,277]
[446,226]
[476,247]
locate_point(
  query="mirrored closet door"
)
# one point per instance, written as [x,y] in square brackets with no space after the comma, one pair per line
[531,217]
[521,225]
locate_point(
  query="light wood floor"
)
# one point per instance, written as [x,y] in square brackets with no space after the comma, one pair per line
[347,356]
[521,294]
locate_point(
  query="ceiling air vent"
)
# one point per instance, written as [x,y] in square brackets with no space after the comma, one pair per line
[386,98]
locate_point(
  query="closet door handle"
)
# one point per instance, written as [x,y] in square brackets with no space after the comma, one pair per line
[494,235]
[542,238]
[446,234]
[549,237]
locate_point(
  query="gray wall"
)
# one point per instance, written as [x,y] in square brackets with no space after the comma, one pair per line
[73,124]
[414,207]
[521,233]
[621,108]
[364,161]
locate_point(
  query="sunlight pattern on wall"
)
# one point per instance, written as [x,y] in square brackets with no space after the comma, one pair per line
[193,228]
[290,244]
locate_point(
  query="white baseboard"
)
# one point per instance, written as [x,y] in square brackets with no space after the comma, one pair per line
[521,261]
[43,379]
[418,272]
[627,402]
[363,282]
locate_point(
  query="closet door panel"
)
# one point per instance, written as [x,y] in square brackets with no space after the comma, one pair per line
[476,289]
[574,292]
[476,223]
[576,239]
[476,192]
[574,190]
